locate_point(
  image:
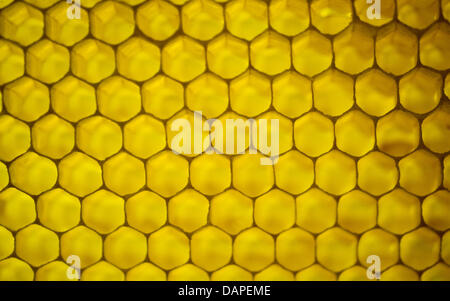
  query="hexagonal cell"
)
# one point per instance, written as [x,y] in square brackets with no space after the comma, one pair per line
[270,53]
[231,272]
[439,272]
[15,138]
[103,211]
[314,134]
[295,249]
[26,99]
[124,174]
[420,249]
[146,272]
[21,23]
[53,271]
[4,3]
[89,3]
[274,273]
[17,209]
[387,11]
[357,211]
[4,176]
[33,174]
[37,245]
[138,59]
[83,242]
[250,94]
[381,243]
[202,19]
[146,211]
[376,92]
[436,130]
[436,210]
[112,22]
[355,133]
[118,251]
[331,17]
[445,5]
[447,85]
[398,212]
[355,273]
[206,165]
[253,249]
[398,133]
[377,173]
[275,211]
[433,49]
[58,210]
[289,17]
[227,56]
[311,53]
[400,273]
[294,172]
[446,172]
[53,137]
[13,269]
[231,211]
[7,246]
[276,141]
[188,272]
[445,247]
[250,177]
[102,271]
[12,62]
[188,210]
[420,173]
[168,248]
[396,49]
[158,19]
[336,249]
[92,60]
[315,273]
[167,173]
[316,211]
[246,19]
[418,13]
[336,172]
[99,137]
[183,59]
[42,3]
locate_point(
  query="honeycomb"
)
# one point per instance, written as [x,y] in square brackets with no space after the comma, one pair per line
[87,167]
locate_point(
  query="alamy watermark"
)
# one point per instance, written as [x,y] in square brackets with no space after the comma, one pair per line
[74,9]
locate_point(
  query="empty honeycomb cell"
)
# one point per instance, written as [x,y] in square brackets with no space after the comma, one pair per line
[146,211]
[246,18]
[436,210]
[138,59]
[89,3]
[98,137]
[53,136]
[33,174]
[436,130]
[230,133]
[53,271]
[357,211]
[250,177]
[269,135]
[125,247]
[21,23]
[333,92]
[144,136]
[275,211]
[274,273]
[202,19]
[294,172]
[84,243]
[354,49]
[368,14]
[102,271]
[253,249]
[446,172]
[206,165]
[289,17]
[58,210]
[377,173]
[167,173]
[315,273]
[399,212]
[12,62]
[433,47]
[270,53]
[231,273]
[331,17]
[7,246]
[355,273]
[124,174]
[227,56]
[178,2]
[92,60]
[445,247]
[336,249]
[418,13]
[37,245]
[4,3]
[398,133]
[42,3]
[13,269]
[168,248]
[132,2]
[188,210]
[207,94]
[420,173]
[112,22]
[158,19]
[380,243]
[17,209]
[188,272]
[211,248]
[419,249]
[183,59]
[336,172]
[146,272]
[314,134]
[26,99]
[15,138]
[399,273]
[439,272]
[162,96]
[295,249]
[79,174]
[103,211]
[4,176]
[316,211]
[231,211]
[396,49]
[311,53]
